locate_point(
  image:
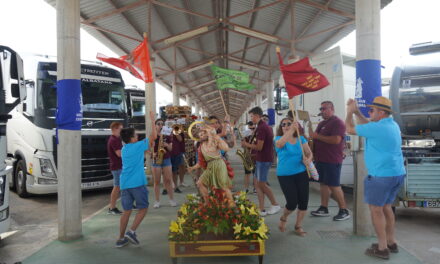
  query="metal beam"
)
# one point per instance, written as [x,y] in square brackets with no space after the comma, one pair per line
[248,48]
[184,32]
[116,11]
[314,19]
[255,9]
[185,40]
[183,10]
[325,31]
[190,66]
[326,8]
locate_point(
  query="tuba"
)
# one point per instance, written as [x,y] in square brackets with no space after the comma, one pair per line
[177,129]
[160,151]
[245,154]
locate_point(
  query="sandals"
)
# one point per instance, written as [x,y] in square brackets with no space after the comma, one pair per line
[282,224]
[300,231]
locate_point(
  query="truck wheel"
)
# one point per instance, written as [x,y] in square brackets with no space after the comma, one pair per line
[20,179]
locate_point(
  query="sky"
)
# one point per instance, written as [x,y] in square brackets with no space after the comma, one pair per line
[33,30]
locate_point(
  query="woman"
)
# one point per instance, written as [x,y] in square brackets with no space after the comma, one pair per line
[164,168]
[216,174]
[292,173]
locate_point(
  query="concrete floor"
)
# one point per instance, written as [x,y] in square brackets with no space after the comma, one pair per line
[327,241]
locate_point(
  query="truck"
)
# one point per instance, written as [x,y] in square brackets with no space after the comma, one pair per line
[12,84]
[32,133]
[135,100]
[415,94]
[340,70]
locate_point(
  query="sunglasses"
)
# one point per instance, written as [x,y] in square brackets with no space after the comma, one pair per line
[370,110]
[286,124]
[322,108]
[160,124]
[252,128]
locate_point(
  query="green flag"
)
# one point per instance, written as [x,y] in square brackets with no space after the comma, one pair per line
[232,79]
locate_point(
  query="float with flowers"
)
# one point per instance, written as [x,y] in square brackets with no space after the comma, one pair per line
[215,228]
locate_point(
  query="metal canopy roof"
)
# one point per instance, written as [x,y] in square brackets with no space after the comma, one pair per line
[187,35]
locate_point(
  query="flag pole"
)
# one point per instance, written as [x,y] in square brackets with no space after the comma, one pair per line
[223,102]
[292,107]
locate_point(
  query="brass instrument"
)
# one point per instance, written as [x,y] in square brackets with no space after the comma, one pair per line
[177,129]
[160,151]
[245,154]
[190,132]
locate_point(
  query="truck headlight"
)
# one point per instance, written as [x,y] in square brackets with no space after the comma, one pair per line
[46,168]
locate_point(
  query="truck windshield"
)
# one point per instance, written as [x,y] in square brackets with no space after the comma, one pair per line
[102,97]
[138,106]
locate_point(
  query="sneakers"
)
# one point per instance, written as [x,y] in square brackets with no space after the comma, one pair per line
[183,184]
[121,242]
[173,203]
[343,214]
[393,248]
[322,211]
[274,209]
[177,190]
[114,211]
[164,192]
[263,213]
[156,204]
[375,252]
[131,236]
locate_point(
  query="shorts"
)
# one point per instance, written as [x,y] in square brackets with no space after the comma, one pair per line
[176,161]
[165,163]
[380,191]
[138,195]
[329,173]
[262,170]
[116,177]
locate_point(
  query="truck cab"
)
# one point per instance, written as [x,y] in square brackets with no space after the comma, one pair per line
[32,133]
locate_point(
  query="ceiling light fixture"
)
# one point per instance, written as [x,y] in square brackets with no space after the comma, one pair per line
[198,67]
[256,34]
[186,35]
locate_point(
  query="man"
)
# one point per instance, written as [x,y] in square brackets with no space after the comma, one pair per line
[328,142]
[177,159]
[264,158]
[249,138]
[386,171]
[265,118]
[114,146]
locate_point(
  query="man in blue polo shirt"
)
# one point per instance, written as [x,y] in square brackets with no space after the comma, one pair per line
[386,171]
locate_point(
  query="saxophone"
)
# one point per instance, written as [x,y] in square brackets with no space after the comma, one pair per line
[245,154]
[160,151]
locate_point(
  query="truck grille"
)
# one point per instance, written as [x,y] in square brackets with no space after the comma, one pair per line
[423,180]
[94,159]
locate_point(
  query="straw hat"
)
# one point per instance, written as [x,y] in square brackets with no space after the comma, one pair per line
[382,103]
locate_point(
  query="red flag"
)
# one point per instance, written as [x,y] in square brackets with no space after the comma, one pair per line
[137,62]
[300,77]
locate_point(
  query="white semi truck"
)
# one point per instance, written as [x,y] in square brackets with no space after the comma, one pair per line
[32,137]
[12,84]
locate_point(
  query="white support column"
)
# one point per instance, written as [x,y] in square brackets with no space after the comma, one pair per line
[197,110]
[259,99]
[270,104]
[69,147]
[176,94]
[150,105]
[189,101]
[368,80]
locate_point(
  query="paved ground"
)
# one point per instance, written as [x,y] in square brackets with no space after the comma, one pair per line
[417,231]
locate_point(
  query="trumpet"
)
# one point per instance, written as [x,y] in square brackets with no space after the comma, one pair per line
[177,129]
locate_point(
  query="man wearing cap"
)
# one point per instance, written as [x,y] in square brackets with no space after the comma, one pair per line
[386,171]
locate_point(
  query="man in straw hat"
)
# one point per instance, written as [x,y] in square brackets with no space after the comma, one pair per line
[386,171]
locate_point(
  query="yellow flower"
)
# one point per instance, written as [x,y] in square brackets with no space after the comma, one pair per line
[181,220]
[252,211]
[262,230]
[184,210]
[242,196]
[196,231]
[242,208]
[174,227]
[247,231]
[237,228]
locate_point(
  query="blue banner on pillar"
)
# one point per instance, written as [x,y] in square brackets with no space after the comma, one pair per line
[69,105]
[368,83]
[271,114]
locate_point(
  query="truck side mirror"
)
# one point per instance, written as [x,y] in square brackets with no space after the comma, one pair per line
[12,75]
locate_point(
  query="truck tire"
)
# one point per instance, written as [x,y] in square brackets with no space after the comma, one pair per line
[20,179]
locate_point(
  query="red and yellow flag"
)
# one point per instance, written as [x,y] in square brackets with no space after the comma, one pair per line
[300,77]
[137,62]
